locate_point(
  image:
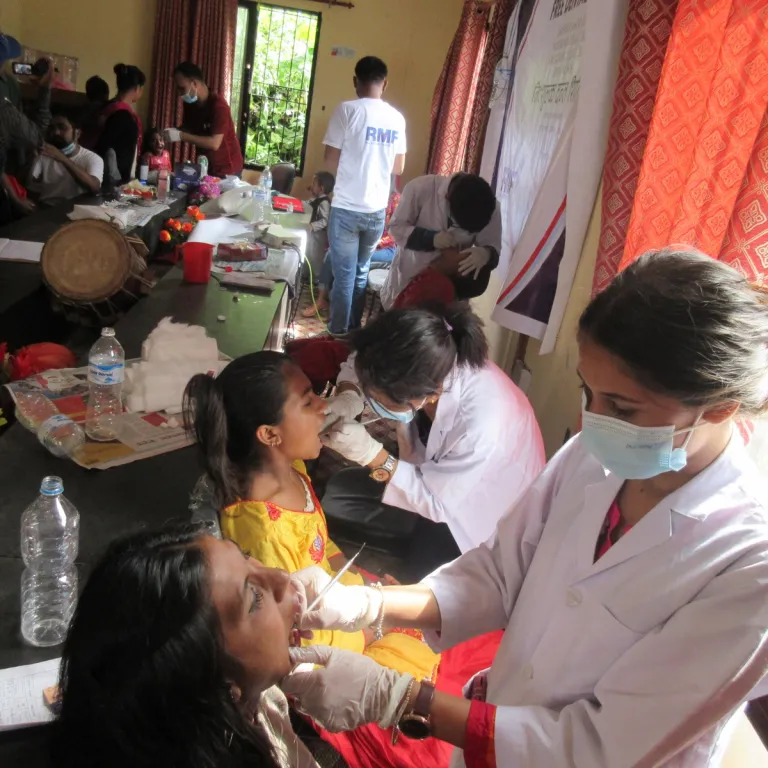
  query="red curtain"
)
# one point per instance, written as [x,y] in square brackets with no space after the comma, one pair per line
[460,103]
[202,31]
[702,178]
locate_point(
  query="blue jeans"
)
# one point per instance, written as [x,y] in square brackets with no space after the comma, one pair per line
[353,237]
[382,259]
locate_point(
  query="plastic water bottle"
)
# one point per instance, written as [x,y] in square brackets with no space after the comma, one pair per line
[266,181]
[57,432]
[257,205]
[106,371]
[143,173]
[203,163]
[50,528]
[162,185]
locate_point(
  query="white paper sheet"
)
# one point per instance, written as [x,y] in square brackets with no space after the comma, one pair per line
[221,230]
[21,694]
[20,250]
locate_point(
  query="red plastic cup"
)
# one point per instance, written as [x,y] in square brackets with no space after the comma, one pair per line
[198,259]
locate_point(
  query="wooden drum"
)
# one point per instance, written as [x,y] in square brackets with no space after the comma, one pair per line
[94,272]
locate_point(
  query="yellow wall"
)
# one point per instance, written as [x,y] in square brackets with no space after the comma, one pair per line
[100,33]
[10,17]
[412,36]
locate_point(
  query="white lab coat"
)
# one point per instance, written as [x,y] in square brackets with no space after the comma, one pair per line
[602,661]
[484,450]
[423,204]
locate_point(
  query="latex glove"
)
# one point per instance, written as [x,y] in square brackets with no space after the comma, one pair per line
[346,691]
[477,258]
[346,406]
[352,441]
[172,135]
[348,609]
[446,239]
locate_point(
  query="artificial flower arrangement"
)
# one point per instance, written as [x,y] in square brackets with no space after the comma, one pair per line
[176,231]
[208,190]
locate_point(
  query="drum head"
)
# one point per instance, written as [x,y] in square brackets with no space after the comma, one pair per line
[86,260]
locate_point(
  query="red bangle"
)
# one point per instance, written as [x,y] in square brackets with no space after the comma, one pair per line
[480,743]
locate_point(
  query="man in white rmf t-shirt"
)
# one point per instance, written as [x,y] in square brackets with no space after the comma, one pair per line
[364,146]
[65,169]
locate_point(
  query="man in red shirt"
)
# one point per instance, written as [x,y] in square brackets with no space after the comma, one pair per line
[206,122]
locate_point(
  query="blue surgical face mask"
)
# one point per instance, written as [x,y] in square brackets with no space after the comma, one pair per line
[403,416]
[631,452]
[69,149]
[189,98]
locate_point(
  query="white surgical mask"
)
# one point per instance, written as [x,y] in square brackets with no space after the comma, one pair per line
[631,452]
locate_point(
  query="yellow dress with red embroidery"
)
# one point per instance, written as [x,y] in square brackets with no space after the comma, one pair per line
[292,540]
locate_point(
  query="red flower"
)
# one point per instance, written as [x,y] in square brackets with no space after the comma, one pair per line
[168,223]
[165,236]
[192,211]
[273,512]
[199,216]
[187,227]
[176,225]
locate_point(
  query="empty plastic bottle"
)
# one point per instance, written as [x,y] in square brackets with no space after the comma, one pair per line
[106,371]
[57,432]
[50,529]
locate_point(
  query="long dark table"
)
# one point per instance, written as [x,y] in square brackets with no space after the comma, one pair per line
[26,316]
[147,493]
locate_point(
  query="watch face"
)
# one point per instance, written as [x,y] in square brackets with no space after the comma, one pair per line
[415,727]
[380,475]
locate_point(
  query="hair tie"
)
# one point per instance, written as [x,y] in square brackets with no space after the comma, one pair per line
[448,326]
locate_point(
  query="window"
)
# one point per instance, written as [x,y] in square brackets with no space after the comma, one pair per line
[275,53]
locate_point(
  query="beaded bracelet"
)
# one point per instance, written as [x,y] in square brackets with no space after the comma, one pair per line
[378,626]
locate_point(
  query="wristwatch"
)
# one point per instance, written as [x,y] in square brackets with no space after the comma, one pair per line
[383,474]
[417,724]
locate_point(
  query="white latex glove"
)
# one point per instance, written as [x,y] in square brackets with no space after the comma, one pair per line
[346,406]
[346,691]
[348,609]
[446,239]
[172,135]
[352,441]
[477,258]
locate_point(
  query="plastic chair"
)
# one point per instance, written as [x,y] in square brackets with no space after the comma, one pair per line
[283,175]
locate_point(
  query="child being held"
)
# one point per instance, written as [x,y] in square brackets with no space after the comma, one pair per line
[154,154]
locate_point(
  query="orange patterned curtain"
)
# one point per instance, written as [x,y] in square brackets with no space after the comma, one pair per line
[463,91]
[703,179]
[202,31]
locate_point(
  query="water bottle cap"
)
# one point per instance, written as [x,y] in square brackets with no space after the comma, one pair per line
[52,486]
[108,332]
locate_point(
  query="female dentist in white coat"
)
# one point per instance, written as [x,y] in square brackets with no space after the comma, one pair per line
[469,444]
[631,578]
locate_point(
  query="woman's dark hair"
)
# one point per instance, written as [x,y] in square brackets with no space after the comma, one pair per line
[97,89]
[686,326]
[148,138]
[128,77]
[144,677]
[407,353]
[471,201]
[326,180]
[190,71]
[370,70]
[223,414]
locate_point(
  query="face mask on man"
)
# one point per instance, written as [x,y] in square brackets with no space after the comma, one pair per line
[631,452]
[189,97]
[60,143]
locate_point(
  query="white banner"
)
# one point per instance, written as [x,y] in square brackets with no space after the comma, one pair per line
[552,154]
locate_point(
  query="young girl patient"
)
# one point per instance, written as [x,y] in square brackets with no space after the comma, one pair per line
[256,424]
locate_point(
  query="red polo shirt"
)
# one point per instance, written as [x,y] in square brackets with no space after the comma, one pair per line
[210,119]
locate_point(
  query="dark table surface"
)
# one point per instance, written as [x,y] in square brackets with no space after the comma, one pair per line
[25,313]
[114,502]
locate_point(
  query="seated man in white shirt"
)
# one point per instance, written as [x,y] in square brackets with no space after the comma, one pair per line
[65,169]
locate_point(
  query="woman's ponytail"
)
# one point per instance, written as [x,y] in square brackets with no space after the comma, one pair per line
[466,330]
[205,419]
